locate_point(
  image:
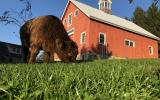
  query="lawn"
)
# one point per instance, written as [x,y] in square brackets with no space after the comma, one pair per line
[95,80]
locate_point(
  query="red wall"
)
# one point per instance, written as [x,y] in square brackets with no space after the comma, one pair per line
[114,36]
[80,24]
[115,41]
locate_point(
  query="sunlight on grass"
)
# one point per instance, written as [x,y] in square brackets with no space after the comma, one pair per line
[100,79]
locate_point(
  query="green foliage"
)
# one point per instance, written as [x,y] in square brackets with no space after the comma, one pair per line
[139,17]
[97,80]
[153,20]
[149,20]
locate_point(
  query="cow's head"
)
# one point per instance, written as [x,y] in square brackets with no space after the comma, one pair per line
[67,50]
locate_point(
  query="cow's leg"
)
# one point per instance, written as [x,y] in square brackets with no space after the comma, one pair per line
[25,54]
[33,53]
[46,57]
[52,57]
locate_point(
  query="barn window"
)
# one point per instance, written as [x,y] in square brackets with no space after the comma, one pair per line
[102,38]
[129,43]
[76,12]
[150,50]
[64,21]
[18,50]
[83,38]
[105,4]
[14,49]
[70,19]
[70,32]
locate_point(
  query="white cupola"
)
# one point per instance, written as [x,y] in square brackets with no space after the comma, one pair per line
[105,5]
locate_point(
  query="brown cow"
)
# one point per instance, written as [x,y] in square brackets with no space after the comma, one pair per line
[47,33]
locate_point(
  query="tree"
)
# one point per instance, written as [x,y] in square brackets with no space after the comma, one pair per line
[15,17]
[139,17]
[149,20]
[153,19]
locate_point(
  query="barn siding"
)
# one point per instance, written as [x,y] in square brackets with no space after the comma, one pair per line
[114,37]
[115,41]
[80,23]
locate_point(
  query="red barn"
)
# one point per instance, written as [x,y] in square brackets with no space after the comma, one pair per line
[99,34]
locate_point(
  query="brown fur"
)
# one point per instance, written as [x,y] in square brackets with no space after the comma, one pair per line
[47,33]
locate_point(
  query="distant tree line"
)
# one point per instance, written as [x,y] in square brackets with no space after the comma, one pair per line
[149,20]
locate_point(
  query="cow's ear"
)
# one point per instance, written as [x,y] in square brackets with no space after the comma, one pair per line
[60,44]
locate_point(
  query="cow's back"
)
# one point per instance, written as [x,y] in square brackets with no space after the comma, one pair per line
[47,28]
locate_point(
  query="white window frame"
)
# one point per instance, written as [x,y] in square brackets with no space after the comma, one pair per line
[129,43]
[152,50]
[70,23]
[101,5]
[83,42]
[102,33]
[76,11]
[110,6]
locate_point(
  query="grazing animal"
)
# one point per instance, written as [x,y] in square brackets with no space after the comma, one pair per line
[46,33]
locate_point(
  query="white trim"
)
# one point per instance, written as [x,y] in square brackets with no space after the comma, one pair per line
[69,24]
[65,9]
[152,50]
[129,43]
[84,38]
[104,38]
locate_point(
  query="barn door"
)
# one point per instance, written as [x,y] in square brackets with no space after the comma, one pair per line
[102,45]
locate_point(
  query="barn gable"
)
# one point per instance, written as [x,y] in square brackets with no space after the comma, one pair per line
[78,22]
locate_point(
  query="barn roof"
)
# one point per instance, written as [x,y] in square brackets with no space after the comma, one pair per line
[113,20]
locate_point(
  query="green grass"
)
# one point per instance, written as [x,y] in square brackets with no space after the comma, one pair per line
[96,80]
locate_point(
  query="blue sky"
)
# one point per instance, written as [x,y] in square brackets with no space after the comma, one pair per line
[10,33]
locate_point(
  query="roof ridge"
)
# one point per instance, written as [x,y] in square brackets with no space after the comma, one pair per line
[113,20]
[10,43]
